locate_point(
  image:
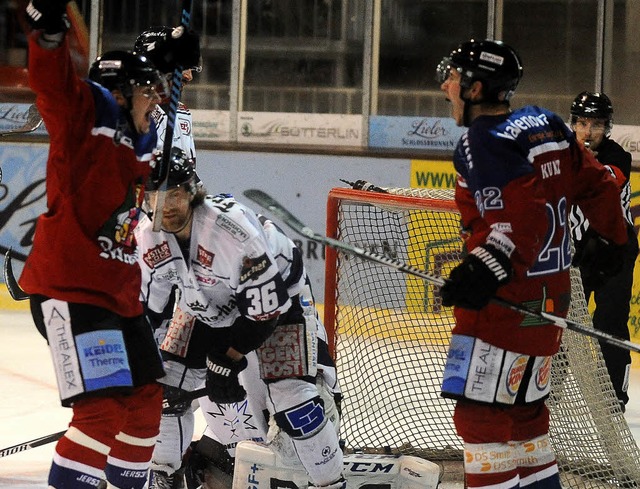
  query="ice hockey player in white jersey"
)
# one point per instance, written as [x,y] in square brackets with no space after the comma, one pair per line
[212,458]
[216,252]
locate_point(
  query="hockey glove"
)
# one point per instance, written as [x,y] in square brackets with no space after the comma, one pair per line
[222,382]
[181,48]
[599,259]
[475,281]
[48,15]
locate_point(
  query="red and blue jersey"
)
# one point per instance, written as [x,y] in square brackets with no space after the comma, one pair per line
[84,248]
[518,175]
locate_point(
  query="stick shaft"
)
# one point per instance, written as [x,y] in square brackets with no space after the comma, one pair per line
[21,447]
[44,440]
[172,114]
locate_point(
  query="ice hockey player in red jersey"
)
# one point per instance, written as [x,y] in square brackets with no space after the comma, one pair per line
[82,274]
[519,172]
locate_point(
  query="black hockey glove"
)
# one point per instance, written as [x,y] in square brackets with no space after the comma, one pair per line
[598,259]
[475,281]
[48,15]
[181,48]
[222,382]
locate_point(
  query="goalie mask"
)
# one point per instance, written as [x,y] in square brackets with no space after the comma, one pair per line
[593,105]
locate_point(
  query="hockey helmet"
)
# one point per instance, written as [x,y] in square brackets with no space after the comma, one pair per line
[494,63]
[594,105]
[155,43]
[122,70]
[182,171]
[442,70]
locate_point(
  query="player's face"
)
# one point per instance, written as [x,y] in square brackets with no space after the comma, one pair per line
[590,131]
[187,77]
[176,211]
[451,88]
[143,103]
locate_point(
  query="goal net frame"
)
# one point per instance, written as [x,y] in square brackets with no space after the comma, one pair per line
[389,334]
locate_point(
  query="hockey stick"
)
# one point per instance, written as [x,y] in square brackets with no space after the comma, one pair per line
[185,397]
[17,294]
[266,201]
[31,124]
[172,114]
[27,445]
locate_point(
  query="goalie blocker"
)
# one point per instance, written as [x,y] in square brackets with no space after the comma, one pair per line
[257,466]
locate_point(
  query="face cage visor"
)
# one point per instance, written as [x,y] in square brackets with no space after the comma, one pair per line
[171,196]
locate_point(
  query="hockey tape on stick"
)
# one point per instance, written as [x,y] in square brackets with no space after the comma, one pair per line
[172,114]
[27,445]
[31,124]
[263,199]
[17,294]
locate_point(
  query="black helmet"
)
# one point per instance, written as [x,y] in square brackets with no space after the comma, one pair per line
[442,70]
[595,105]
[182,171]
[156,44]
[122,70]
[494,63]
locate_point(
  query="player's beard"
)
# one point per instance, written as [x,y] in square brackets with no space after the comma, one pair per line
[177,222]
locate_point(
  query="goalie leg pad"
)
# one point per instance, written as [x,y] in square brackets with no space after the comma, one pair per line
[303,420]
[260,466]
[299,412]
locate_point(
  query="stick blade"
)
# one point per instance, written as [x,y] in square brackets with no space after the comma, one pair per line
[34,119]
[32,122]
[17,294]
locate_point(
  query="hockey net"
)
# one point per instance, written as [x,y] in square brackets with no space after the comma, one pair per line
[389,336]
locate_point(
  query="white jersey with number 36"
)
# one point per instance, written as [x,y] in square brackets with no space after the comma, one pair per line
[228,269]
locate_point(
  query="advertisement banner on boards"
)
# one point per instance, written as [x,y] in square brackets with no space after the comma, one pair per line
[435,174]
[22,200]
[300,129]
[629,138]
[211,125]
[634,315]
[416,133]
